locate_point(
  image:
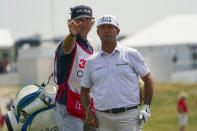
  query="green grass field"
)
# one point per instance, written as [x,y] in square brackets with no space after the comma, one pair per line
[163,109]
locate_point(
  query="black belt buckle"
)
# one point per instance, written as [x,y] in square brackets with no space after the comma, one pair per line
[117,110]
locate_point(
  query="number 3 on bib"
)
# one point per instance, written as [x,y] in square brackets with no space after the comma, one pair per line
[82,63]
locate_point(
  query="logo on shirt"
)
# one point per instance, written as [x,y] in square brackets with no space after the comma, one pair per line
[81,66]
[102,67]
[122,64]
[79,73]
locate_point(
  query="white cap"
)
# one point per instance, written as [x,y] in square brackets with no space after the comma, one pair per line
[183,94]
[108,19]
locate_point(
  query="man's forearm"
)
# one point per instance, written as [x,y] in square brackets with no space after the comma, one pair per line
[85,99]
[68,43]
[148,89]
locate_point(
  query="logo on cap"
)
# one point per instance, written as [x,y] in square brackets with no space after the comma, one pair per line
[106,19]
[81,11]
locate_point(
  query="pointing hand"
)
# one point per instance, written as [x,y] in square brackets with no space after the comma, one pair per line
[74,27]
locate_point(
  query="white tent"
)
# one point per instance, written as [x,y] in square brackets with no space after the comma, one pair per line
[178,29]
[159,44]
[6,40]
[35,64]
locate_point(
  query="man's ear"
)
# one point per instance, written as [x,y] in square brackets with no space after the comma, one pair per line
[92,22]
[97,32]
[118,31]
[68,20]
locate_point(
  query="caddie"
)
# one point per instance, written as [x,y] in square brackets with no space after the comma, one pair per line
[71,55]
[112,76]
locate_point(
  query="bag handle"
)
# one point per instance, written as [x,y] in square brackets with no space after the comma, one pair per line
[49,79]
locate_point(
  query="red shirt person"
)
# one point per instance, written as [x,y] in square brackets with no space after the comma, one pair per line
[182,106]
[182,110]
[1,119]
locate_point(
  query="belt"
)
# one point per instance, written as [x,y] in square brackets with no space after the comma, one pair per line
[119,110]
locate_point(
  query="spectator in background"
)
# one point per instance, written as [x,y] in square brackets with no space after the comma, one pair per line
[5,63]
[1,66]
[1,120]
[182,111]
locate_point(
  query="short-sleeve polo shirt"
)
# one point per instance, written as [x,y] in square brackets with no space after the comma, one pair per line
[113,78]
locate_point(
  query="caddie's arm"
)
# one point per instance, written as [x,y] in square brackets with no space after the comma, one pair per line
[85,100]
[148,89]
[69,41]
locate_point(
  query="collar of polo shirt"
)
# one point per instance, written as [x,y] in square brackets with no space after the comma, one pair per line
[117,48]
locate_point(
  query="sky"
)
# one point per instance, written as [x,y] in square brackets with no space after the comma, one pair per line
[26,18]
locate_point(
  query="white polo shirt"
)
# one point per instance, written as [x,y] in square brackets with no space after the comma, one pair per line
[113,78]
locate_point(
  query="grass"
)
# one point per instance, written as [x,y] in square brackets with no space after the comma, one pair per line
[163,109]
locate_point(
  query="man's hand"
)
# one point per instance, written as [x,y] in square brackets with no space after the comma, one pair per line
[74,27]
[91,120]
[145,113]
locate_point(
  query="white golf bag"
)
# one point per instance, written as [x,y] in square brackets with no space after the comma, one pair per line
[33,109]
